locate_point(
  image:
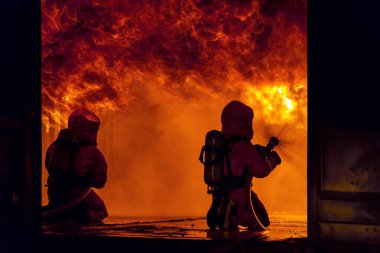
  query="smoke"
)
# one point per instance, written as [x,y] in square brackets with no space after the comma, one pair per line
[158,73]
[153,166]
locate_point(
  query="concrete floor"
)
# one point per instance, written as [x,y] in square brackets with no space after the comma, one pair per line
[287,233]
[283,227]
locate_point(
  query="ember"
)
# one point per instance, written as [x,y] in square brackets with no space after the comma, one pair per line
[158,74]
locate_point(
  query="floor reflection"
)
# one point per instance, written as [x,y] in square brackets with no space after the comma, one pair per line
[283,227]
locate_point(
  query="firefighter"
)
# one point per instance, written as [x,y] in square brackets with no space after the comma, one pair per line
[75,166]
[245,162]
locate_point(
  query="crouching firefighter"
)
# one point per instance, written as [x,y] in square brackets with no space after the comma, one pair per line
[230,162]
[75,165]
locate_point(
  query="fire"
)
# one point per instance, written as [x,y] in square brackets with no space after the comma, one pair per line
[279,104]
[95,52]
[124,59]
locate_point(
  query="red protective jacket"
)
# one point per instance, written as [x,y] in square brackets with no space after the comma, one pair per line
[245,158]
[89,165]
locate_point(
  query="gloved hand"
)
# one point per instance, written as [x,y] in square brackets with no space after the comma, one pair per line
[273,159]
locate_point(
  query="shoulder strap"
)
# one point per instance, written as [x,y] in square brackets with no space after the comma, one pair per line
[228,151]
[234,181]
[229,147]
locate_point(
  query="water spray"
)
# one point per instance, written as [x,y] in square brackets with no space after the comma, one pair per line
[265,151]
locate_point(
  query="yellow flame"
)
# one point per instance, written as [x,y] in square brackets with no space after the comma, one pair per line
[278,104]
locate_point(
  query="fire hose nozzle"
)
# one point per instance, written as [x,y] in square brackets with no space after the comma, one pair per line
[273,141]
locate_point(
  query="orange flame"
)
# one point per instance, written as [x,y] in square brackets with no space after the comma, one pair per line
[111,56]
[94,52]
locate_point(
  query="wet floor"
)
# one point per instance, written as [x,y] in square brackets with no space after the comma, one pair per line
[283,227]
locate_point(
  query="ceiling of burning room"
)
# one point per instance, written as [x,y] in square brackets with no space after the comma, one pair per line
[96,52]
[163,70]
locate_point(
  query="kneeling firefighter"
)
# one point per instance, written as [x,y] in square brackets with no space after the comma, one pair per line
[75,165]
[230,163]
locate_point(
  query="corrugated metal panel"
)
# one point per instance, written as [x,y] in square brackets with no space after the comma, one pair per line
[349,200]
[350,232]
[351,161]
[349,211]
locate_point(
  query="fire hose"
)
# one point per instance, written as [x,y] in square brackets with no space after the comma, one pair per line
[66,207]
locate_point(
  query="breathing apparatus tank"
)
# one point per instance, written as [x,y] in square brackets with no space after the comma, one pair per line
[63,157]
[62,162]
[212,157]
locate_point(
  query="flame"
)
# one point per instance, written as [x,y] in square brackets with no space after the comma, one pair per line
[127,57]
[279,104]
[94,52]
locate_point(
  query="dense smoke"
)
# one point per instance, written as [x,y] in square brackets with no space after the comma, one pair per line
[158,73]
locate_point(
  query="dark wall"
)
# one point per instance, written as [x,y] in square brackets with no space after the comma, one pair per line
[20,127]
[344,61]
[343,111]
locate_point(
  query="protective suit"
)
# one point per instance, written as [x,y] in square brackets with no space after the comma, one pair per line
[75,165]
[246,162]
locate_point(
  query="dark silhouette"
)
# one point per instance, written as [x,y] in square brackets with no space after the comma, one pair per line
[234,203]
[75,165]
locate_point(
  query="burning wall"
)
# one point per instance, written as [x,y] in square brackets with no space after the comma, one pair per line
[158,73]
